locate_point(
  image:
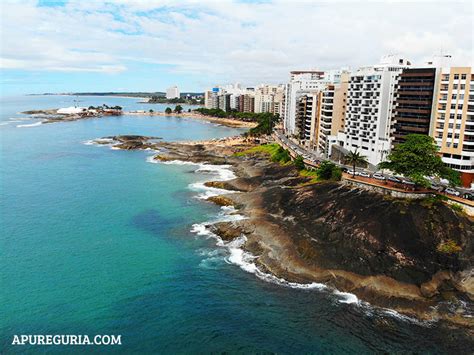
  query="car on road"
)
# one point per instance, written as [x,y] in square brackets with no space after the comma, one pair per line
[436,187]
[468,196]
[408,182]
[394,179]
[451,191]
[363,174]
[345,170]
[378,176]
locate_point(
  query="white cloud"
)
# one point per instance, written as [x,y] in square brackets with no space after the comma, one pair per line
[229,41]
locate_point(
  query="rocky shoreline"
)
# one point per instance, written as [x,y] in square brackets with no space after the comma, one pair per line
[389,252]
[52,116]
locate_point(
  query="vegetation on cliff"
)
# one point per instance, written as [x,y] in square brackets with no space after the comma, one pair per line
[274,151]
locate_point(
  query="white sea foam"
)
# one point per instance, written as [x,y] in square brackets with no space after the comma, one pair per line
[101,142]
[219,173]
[346,297]
[30,125]
[4,123]
[19,119]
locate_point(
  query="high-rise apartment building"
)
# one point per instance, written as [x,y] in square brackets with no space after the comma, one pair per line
[246,103]
[413,101]
[268,98]
[211,99]
[329,118]
[306,109]
[301,83]
[453,120]
[369,109]
[172,92]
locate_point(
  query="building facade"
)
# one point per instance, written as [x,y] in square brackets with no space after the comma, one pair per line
[172,93]
[301,83]
[413,101]
[369,109]
[453,120]
[330,114]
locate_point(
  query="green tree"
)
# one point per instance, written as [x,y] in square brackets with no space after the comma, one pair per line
[355,158]
[151,111]
[178,109]
[327,170]
[299,163]
[418,157]
[168,111]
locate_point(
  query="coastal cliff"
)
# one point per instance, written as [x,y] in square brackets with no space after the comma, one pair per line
[413,256]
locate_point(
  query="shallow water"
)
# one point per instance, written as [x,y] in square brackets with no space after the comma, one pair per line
[100,241]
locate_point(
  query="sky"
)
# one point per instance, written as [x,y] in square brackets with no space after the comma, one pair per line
[133,45]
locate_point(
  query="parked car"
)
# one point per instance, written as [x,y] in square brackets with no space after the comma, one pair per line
[468,196]
[345,170]
[378,176]
[436,187]
[363,174]
[394,179]
[408,182]
[451,191]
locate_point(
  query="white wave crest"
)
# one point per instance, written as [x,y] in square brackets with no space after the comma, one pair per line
[30,124]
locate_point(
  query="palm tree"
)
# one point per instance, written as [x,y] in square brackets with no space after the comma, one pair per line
[355,158]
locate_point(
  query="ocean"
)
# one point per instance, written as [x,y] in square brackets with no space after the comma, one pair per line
[102,241]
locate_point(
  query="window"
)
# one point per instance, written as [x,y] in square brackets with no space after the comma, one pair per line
[458,126]
[456,76]
[463,76]
[453,106]
[450,135]
[459,117]
[455,86]
[451,116]
[451,125]
[453,97]
[460,107]
[456,136]
[463,86]
[455,145]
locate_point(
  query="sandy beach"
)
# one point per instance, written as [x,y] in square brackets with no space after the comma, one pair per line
[193,115]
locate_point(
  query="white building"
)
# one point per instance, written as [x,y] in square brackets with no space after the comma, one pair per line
[369,107]
[301,83]
[71,110]
[172,93]
[268,98]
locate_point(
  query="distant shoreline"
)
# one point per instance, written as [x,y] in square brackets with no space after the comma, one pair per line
[223,121]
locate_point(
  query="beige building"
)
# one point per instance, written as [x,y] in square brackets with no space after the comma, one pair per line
[327,119]
[453,120]
[269,98]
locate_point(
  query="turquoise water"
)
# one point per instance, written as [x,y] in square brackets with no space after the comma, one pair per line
[98,241]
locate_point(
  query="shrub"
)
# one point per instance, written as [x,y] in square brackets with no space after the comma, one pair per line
[457,207]
[299,163]
[328,171]
[448,247]
[281,155]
